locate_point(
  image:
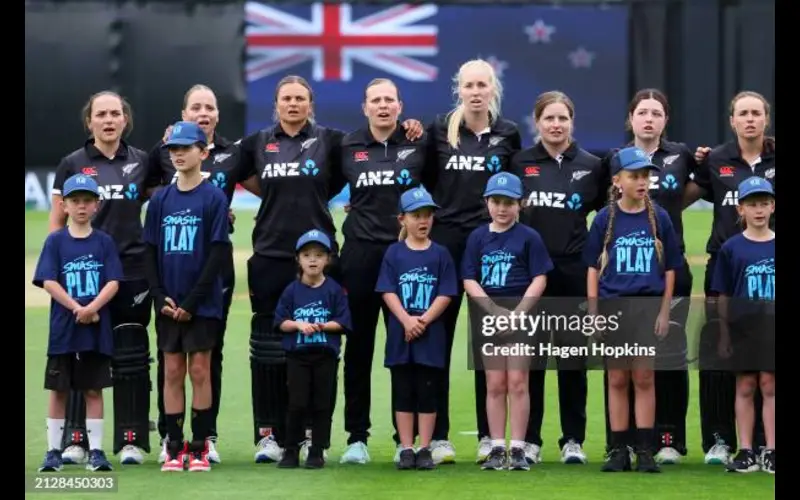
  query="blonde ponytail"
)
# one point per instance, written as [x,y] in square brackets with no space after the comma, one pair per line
[454,124]
[403,234]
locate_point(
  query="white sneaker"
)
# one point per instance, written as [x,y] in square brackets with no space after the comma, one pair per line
[572,453]
[304,446]
[73,454]
[668,456]
[356,453]
[267,451]
[533,453]
[719,454]
[162,455]
[484,448]
[443,452]
[131,455]
[397,451]
[213,454]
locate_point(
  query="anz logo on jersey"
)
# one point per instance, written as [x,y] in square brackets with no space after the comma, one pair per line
[474,163]
[554,200]
[383,178]
[119,192]
[290,169]
[669,182]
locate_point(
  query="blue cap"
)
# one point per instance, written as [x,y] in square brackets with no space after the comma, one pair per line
[78,183]
[504,184]
[631,158]
[314,236]
[186,134]
[416,198]
[755,185]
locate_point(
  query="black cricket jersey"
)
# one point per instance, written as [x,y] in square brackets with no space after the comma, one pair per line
[378,173]
[559,193]
[298,176]
[222,167]
[457,178]
[668,185]
[123,182]
[720,175]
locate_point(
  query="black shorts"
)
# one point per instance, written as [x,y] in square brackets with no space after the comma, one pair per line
[415,388]
[752,345]
[197,335]
[630,341]
[84,371]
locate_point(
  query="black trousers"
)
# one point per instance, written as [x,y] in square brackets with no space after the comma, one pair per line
[566,286]
[671,384]
[361,264]
[228,282]
[311,380]
[455,240]
[267,278]
[718,388]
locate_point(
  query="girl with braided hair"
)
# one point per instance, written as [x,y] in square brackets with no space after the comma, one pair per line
[632,253]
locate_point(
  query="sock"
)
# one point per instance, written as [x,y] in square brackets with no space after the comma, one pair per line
[94,429]
[498,443]
[55,431]
[175,427]
[515,443]
[619,439]
[645,438]
[201,424]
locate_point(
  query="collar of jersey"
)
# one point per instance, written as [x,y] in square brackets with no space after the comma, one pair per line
[364,136]
[733,152]
[93,152]
[539,153]
[303,132]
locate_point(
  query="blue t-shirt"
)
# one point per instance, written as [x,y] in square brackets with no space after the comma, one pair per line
[182,225]
[83,267]
[633,268]
[327,302]
[745,271]
[417,277]
[505,264]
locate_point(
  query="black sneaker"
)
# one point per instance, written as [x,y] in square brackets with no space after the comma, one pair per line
[517,460]
[425,459]
[408,460]
[290,460]
[617,460]
[646,462]
[315,459]
[744,461]
[768,461]
[496,460]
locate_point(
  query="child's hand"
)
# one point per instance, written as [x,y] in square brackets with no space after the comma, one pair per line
[414,327]
[662,324]
[83,315]
[95,318]
[169,307]
[307,328]
[182,315]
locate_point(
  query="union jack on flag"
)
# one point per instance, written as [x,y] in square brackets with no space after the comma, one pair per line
[389,40]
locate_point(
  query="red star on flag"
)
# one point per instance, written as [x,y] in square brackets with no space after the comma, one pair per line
[539,32]
[498,65]
[581,58]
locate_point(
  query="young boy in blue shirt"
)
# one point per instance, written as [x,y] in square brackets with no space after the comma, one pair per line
[80,268]
[745,280]
[186,231]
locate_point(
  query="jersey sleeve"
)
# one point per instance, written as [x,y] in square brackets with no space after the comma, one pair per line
[341,311]
[337,179]
[151,231]
[594,240]
[722,281]
[430,172]
[247,156]
[515,142]
[448,278]
[220,224]
[673,258]
[539,261]
[155,170]
[603,184]
[111,260]
[48,264]
[702,174]
[283,311]
[470,263]
[387,277]
[515,167]
[64,171]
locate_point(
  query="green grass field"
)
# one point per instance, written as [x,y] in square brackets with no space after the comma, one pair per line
[239,477]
